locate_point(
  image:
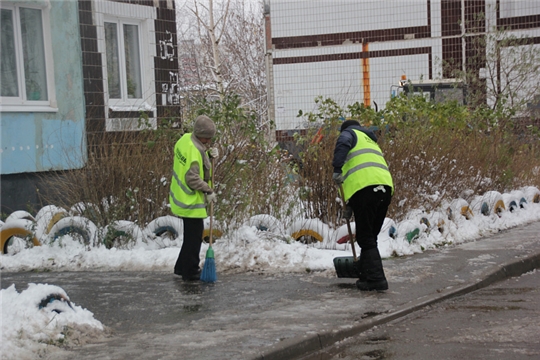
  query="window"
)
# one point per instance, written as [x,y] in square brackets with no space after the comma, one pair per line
[123,54]
[25,63]
[126,41]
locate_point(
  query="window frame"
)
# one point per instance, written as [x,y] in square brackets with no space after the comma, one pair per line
[145,17]
[124,100]
[21,103]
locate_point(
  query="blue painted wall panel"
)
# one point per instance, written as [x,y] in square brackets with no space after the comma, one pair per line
[34,142]
[65,144]
[18,143]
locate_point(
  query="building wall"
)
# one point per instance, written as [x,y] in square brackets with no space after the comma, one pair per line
[35,144]
[160,64]
[44,141]
[356,51]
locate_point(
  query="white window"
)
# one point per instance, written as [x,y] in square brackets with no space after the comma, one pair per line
[126,40]
[26,82]
[123,53]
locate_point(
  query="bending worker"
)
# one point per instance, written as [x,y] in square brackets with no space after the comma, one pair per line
[191,191]
[359,167]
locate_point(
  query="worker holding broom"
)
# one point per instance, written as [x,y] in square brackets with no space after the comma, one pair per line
[191,191]
[362,174]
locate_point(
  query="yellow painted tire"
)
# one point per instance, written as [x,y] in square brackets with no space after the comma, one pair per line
[310,231]
[46,218]
[216,234]
[55,218]
[499,207]
[459,206]
[20,228]
[466,212]
[492,203]
[297,235]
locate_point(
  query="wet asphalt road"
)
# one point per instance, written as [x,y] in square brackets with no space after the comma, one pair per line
[138,302]
[501,321]
[155,315]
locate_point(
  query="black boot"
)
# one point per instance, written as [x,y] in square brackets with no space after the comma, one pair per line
[358,266]
[372,271]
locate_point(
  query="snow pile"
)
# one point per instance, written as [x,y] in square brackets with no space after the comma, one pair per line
[40,318]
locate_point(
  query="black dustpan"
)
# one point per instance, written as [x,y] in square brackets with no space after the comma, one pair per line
[347,266]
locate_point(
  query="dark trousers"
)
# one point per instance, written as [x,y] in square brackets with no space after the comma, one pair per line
[188,260]
[370,208]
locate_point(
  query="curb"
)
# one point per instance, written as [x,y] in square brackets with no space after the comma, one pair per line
[303,345]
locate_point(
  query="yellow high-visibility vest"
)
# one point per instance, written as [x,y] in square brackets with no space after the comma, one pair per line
[364,166]
[184,201]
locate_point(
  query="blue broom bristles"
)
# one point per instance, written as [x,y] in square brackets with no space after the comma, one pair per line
[208,273]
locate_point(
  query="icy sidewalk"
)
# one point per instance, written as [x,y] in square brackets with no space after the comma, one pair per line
[155,315]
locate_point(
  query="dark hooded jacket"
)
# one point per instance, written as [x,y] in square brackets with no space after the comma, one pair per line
[345,142]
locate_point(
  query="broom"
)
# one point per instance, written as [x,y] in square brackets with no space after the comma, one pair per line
[208,273]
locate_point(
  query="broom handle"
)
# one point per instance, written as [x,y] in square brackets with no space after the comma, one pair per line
[348,223]
[212,203]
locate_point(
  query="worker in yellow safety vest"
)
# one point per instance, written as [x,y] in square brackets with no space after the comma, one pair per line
[361,170]
[191,191]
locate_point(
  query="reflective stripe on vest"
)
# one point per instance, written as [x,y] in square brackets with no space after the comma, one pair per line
[184,201]
[364,166]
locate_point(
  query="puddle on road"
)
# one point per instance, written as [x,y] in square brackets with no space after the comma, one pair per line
[192,308]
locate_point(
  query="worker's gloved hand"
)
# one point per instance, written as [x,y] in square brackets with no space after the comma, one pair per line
[213,152]
[347,213]
[211,198]
[338,178]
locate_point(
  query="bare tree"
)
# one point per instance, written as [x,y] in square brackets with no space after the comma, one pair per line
[503,71]
[221,46]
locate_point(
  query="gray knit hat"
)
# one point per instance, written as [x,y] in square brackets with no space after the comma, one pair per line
[204,127]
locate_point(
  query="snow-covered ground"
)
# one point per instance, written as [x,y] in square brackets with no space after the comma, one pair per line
[30,324]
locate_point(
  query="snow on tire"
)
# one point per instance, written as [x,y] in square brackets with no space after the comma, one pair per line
[46,217]
[309,231]
[436,221]
[495,202]
[20,214]
[459,207]
[532,193]
[166,231]
[511,201]
[520,198]
[17,234]
[122,234]
[79,226]
[409,229]
[489,203]
[389,228]
[265,222]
